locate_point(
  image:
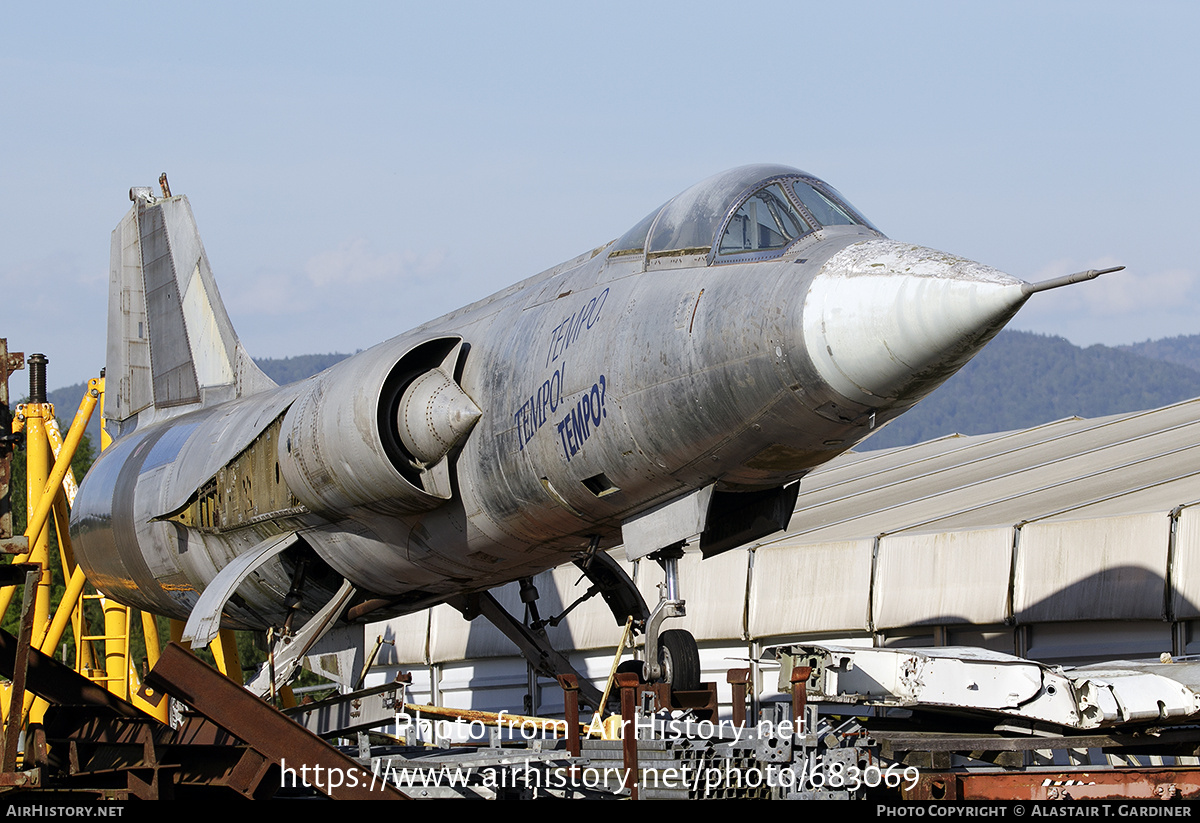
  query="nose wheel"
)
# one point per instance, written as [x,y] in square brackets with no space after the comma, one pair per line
[679,659]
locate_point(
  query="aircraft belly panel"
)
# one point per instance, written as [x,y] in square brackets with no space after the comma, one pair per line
[378,563]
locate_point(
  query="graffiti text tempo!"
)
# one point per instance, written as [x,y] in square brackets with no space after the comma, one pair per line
[534,411]
[568,331]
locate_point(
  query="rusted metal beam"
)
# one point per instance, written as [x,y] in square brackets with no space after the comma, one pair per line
[739,679]
[8,364]
[628,684]
[298,752]
[570,687]
[800,675]
[702,701]
[147,759]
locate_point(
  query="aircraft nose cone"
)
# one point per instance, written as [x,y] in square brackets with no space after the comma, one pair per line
[887,322]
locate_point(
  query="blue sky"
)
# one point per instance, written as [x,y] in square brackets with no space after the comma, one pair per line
[358,171]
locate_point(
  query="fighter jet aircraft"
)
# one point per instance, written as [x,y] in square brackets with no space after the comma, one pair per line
[671,387]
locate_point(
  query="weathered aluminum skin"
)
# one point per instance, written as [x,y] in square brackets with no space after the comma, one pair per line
[606,386]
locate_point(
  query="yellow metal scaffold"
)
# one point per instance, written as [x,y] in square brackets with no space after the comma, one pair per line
[103,657]
[50,488]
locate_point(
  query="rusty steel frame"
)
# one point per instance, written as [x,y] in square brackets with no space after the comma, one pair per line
[739,680]
[146,760]
[237,744]
[9,363]
[260,725]
[627,683]
[570,687]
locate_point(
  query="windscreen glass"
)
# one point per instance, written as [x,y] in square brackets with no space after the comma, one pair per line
[827,212]
[765,221]
[827,205]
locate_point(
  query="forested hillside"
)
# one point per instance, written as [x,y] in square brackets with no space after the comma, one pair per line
[1184,350]
[1022,379]
[290,369]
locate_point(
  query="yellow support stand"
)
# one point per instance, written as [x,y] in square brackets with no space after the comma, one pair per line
[37,468]
[150,633]
[50,490]
[116,647]
[224,649]
[51,487]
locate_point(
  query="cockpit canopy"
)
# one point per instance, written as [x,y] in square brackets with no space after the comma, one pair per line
[741,215]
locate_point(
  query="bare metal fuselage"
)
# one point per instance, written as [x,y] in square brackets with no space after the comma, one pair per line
[606,386]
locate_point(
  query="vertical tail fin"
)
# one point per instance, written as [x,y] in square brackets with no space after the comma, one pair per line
[171,347]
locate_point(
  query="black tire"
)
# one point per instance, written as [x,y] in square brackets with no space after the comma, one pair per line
[680,659]
[632,667]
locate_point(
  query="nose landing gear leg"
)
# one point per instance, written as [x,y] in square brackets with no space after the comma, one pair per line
[675,658]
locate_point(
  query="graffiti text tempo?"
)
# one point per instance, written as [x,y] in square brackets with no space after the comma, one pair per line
[583,419]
